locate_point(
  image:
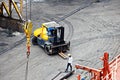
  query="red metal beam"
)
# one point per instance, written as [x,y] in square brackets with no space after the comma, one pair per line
[95,72]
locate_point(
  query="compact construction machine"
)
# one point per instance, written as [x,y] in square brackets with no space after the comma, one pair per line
[50,36]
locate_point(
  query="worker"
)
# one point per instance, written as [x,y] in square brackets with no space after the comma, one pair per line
[69,64]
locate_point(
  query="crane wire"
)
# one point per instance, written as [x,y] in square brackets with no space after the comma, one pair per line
[30,9]
[26,73]
[27,64]
[26,9]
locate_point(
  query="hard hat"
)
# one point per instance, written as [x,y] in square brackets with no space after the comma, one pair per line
[69,55]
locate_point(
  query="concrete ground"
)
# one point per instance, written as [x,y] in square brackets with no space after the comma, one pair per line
[95,30]
[9,40]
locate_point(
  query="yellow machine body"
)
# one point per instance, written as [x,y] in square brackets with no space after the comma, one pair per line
[50,36]
[41,32]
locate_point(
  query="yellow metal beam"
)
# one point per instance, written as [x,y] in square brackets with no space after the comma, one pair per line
[17,10]
[6,8]
[0,11]
[10,8]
